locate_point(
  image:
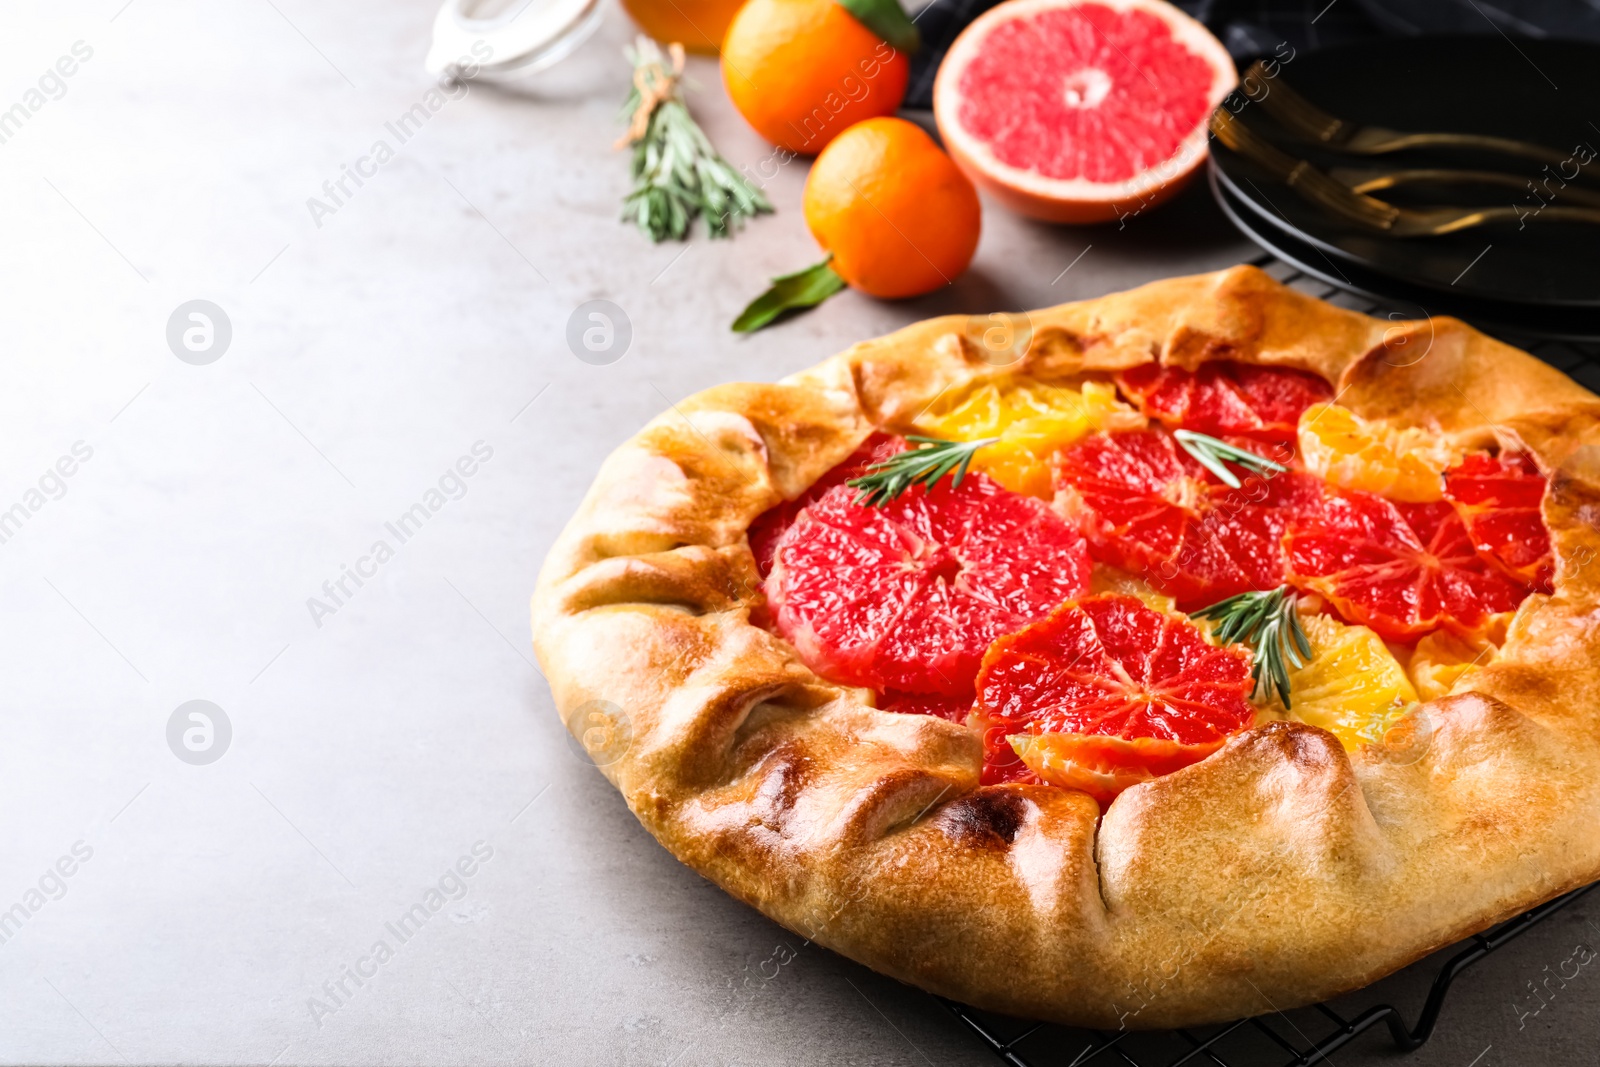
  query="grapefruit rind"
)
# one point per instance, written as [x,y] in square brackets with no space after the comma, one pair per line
[1075,199]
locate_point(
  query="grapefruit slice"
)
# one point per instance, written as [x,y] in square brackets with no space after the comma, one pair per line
[1107,692]
[1403,570]
[1147,507]
[770,524]
[907,596]
[1075,111]
[1500,498]
[1224,398]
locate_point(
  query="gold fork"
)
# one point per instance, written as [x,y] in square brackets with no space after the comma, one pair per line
[1367,211]
[1373,179]
[1302,117]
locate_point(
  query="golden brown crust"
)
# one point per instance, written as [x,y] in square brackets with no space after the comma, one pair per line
[1278,872]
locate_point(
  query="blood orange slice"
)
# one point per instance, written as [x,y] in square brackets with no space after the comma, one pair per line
[1225,398]
[1500,498]
[1149,508]
[770,524]
[1107,692]
[1078,111]
[908,596]
[1404,570]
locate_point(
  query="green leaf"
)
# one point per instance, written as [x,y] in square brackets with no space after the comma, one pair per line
[925,462]
[1269,622]
[790,292]
[1212,454]
[888,20]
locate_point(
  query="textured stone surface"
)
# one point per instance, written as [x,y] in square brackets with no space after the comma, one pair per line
[375,745]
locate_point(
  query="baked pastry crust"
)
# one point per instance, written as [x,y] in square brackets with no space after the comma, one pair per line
[1278,872]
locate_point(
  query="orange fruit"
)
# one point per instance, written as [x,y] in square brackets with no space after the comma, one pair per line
[803,71]
[1401,463]
[1032,419]
[897,214]
[698,25]
[1079,111]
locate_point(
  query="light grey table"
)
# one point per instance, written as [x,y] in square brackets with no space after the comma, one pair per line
[387,736]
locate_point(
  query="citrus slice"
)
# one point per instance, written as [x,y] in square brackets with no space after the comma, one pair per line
[1225,398]
[1106,692]
[1354,453]
[908,596]
[1405,570]
[1352,686]
[1442,659]
[770,524]
[1078,111]
[1147,507]
[1500,498]
[1032,420]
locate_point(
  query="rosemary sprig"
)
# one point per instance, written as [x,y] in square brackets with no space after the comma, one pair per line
[1212,454]
[926,462]
[1268,622]
[677,174]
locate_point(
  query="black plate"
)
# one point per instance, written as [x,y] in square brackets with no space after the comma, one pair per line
[1512,321]
[1536,91]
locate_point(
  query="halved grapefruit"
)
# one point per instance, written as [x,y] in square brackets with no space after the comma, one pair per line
[1075,111]
[1107,692]
[1500,498]
[1404,570]
[906,597]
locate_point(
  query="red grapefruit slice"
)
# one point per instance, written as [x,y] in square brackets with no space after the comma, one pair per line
[1500,498]
[1147,507]
[770,524]
[1076,111]
[908,596]
[1224,398]
[1404,570]
[1107,692]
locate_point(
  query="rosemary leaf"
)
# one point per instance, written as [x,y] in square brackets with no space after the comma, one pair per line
[926,462]
[1269,623]
[677,173]
[1213,454]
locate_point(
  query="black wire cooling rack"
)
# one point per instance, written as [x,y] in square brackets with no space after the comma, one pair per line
[1256,1040]
[1263,1039]
[1580,360]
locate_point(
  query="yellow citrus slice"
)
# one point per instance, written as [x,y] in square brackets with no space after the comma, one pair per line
[1107,579]
[1442,658]
[1033,420]
[1348,451]
[1352,686]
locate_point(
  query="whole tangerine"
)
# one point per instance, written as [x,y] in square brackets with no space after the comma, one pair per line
[896,212]
[803,71]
